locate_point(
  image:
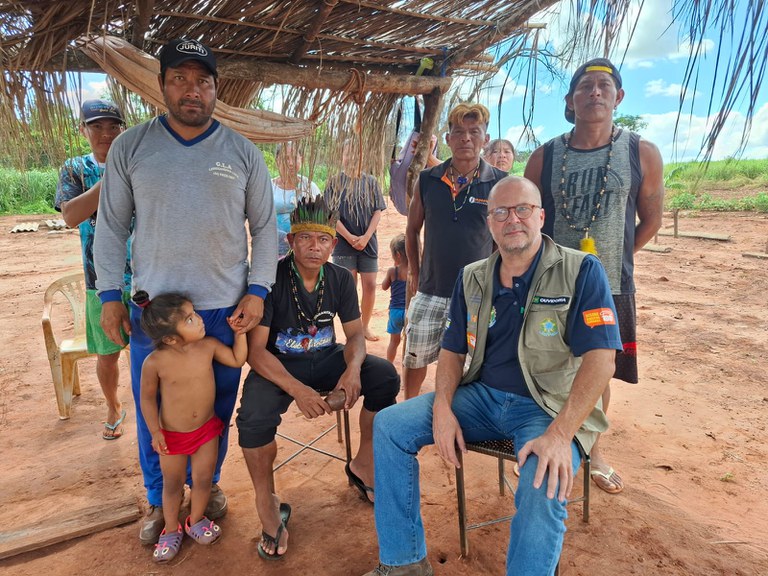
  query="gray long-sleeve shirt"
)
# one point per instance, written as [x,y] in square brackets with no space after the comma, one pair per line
[191,200]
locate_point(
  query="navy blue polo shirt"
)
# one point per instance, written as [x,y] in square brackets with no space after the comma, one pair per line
[501,366]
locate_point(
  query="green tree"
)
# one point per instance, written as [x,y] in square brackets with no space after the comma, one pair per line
[632,122]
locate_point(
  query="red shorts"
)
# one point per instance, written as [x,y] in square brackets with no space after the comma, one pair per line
[188,442]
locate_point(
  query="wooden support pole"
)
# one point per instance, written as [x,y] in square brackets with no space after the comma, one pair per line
[675,214]
[326,6]
[433,104]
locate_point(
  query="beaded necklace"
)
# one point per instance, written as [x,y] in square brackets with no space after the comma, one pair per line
[587,244]
[302,317]
[461,180]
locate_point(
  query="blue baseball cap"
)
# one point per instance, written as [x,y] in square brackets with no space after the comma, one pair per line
[96,109]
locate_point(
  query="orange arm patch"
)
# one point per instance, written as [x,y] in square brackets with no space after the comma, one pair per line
[599,317]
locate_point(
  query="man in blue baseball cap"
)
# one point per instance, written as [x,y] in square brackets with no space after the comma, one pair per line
[77,198]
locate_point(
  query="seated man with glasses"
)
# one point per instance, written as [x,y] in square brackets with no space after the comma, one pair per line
[528,349]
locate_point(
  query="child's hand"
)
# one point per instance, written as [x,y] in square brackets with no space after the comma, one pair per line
[158,443]
[234,323]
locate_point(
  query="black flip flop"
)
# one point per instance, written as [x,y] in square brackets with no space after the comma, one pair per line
[285,516]
[359,484]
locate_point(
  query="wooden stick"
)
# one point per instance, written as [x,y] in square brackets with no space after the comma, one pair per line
[65,526]
[656,248]
[701,235]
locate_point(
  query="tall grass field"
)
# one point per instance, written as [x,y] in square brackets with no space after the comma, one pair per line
[725,185]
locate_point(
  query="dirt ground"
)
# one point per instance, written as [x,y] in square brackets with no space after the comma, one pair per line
[689,440]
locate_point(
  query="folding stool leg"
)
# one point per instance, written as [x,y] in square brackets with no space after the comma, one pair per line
[347,436]
[462,505]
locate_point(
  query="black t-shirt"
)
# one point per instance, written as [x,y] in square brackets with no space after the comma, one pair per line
[290,335]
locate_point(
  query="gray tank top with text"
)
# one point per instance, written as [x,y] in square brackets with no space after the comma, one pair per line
[575,204]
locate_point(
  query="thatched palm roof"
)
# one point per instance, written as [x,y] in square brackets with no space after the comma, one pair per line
[376,37]
[365,51]
[337,55]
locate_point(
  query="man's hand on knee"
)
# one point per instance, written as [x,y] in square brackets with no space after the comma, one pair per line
[555,462]
[447,433]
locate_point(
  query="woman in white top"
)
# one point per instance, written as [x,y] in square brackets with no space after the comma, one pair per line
[288,188]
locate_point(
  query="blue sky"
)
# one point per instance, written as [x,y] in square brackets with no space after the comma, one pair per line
[652,74]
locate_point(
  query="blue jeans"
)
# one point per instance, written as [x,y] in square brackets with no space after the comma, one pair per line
[484,413]
[227,384]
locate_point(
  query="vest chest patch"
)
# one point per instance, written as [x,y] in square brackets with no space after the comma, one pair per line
[548,327]
[551,300]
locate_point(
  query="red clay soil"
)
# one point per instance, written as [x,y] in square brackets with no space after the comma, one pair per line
[689,441]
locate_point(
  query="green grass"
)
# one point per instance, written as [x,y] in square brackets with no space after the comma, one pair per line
[722,186]
[30,192]
[726,185]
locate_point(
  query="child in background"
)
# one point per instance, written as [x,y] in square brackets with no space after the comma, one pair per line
[177,395]
[395,282]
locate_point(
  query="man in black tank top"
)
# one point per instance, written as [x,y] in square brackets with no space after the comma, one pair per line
[603,192]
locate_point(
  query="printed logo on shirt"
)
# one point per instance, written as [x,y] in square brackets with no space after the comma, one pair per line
[475,200]
[492,321]
[548,327]
[551,300]
[599,317]
[223,170]
[293,341]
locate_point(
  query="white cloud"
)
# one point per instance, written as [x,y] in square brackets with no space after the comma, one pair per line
[691,130]
[522,138]
[647,34]
[660,87]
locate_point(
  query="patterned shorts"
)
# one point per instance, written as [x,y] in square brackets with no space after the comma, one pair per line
[424,330]
[626,360]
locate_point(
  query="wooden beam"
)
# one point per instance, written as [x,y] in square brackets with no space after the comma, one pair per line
[144,10]
[314,78]
[502,30]
[269,73]
[326,7]
[65,526]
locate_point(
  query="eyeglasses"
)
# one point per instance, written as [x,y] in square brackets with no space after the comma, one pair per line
[522,211]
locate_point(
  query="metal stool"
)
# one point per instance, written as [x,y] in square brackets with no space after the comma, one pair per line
[504,450]
[340,415]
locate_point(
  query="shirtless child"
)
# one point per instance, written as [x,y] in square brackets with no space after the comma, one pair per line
[177,396]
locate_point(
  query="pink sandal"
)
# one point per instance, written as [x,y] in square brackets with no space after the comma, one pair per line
[168,546]
[203,531]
